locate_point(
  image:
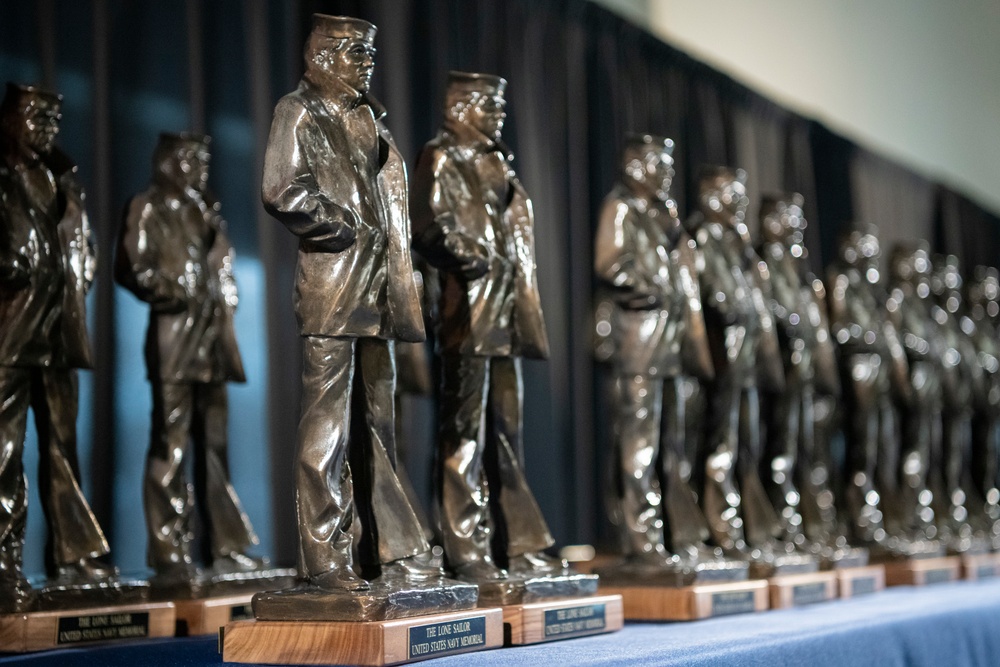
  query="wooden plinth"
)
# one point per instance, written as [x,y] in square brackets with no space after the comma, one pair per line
[796,590]
[856,581]
[663,603]
[207,615]
[923,571]
[562,619]
[38,631]
[981,566]
[372,643]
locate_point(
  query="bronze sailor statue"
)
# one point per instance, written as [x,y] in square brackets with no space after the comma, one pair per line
[646,264]
[798,463]
[334,177]
[173,253]
[745,355]
[473,222]
[47,265]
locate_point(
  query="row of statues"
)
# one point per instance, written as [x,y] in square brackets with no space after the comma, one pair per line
[732,364]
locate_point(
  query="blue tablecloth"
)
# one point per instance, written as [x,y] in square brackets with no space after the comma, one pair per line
[945,624]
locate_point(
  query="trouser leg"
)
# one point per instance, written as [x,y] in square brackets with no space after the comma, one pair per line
[685,527]
[324,490]
[227,525]
[637,427]
[15,395]
[525,530]
[73,531]
[168,496]
[463,510]
[720,498]
[397,529]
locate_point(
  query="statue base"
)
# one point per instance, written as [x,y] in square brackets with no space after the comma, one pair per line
[112,592]
[249,582]
[515,591]
[690,603]
[389,642]
[768,565]
[206,616]
[856,581]
[550,620]
[981,566]
[797,590]
[923,571]
[42,630]
[383,601]
[626,573]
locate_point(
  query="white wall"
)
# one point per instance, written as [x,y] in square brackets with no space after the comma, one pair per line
[915,80]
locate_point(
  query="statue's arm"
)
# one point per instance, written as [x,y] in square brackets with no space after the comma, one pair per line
[137,262]
[290,191]
[615,261]
[437,233]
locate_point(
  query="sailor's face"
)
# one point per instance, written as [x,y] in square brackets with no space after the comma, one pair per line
[41,125]
[192,163]
[486,113]
[352,62]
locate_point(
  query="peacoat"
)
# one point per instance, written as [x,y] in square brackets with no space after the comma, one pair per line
[334,177]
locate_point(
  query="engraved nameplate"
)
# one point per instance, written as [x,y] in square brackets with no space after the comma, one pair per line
[732,602]
[102,627]
[808,593]
[863,586]
[938,576]
[582,620]
[447,637]
[241,612]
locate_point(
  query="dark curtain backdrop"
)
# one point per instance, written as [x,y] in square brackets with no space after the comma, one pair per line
[580,78]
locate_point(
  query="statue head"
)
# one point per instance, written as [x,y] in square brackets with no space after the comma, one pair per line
[341,48]
[722,195]
[859,247]
[782,221]
[30,116]
[477,101]
[648,164]
[182,159]
[910,264]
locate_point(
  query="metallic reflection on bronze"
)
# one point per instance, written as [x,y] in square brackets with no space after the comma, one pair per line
[957,506]
[983,298]
[173,253]
[334,177]
[799,476]
[646,263]
[743,341]
[473,222]
[47,264]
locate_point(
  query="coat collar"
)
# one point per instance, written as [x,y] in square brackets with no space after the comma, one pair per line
[339,97]
[466,136]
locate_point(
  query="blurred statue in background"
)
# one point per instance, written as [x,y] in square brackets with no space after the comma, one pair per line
[958,505]
[983,299]
[474,223]
[744,347]
[173,253]
[909,307]
[799,477]
[645,261]
[47,264]
[334,177]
